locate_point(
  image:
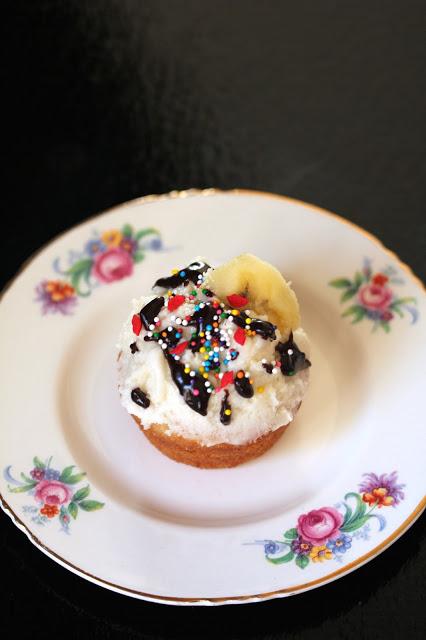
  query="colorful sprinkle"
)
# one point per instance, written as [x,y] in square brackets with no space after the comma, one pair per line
[236,300]
[136,324]
[240,335]
[225,379]
[179,349]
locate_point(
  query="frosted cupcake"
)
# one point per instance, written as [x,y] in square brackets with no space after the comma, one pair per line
[213,367]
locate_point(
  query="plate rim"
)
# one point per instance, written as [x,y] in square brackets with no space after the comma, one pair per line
[245,599]
[257,597]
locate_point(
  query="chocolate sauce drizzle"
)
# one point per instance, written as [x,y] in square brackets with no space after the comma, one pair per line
[200,319]
[267,366]
[244,387]
[225,418]
[140,398]
[292,359]
[263,328]
[190,273]
[151,311]
[188,384]
[134,347]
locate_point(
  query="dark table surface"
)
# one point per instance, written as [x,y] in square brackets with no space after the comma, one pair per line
[107,100]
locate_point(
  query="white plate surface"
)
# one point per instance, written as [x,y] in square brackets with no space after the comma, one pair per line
[138,523]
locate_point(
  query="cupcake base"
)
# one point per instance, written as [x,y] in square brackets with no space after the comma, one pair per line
[215,457]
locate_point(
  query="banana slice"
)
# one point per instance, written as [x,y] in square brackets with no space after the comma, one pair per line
[262,284]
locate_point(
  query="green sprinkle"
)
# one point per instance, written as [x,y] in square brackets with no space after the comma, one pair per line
[223,315]
[155,335]
[194,293]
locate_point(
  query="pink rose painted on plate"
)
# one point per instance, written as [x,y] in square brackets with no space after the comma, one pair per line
[114,264]
[319,525]
[52,492]
[375,296]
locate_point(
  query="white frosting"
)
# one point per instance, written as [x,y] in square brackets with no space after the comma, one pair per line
[251,417]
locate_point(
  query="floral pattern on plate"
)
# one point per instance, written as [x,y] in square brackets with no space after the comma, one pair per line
[55,492]
[329,532]
[373,297]
[106,257]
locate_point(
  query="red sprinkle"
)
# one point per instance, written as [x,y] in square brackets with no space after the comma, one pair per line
[240,335]
[136,324]
[227,378]
[179,349]
[237,301]
[175,302]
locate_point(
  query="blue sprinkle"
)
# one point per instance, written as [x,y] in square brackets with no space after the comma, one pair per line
[225,361]
[182,274]
[207,343]
[209,327]
[177,335]
[197,307]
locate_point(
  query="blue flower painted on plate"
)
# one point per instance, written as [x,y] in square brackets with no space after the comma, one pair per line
[340,544]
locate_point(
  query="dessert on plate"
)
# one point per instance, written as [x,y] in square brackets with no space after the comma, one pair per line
[213,366]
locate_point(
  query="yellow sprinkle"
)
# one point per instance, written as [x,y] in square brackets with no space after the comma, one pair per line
[201,334]
[187,369]
[202,349]
[228,412]
[234,313]
[248,321]
[260,389]
[175,271]
[201,369]
[205,375]
[206,357]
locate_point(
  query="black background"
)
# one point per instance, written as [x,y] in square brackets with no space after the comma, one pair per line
[106,100]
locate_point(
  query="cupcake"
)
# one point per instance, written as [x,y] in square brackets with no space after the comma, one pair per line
[213,366]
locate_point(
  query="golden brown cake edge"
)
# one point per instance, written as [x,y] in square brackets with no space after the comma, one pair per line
[215,457]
